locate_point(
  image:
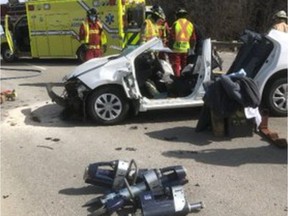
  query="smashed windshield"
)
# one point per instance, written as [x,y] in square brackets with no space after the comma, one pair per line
[128,50]
[157,47]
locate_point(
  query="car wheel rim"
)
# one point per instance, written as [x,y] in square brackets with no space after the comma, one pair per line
[108,106]
[280,97]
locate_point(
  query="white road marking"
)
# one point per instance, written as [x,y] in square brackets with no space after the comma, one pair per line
[39,67]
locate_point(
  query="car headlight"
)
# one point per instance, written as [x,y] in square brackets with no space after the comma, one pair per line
[81,89]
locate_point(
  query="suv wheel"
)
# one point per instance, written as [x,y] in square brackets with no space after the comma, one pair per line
[277,97]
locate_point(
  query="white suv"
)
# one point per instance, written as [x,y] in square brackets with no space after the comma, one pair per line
[137,79]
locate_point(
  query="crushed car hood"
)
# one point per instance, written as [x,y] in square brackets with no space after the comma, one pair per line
[100,71]
[112,69]
[88,66]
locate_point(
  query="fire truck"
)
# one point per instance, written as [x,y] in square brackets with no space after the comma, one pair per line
[50,28]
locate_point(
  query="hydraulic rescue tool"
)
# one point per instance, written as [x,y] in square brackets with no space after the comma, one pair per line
[112,174]
[147,189]
[172,204]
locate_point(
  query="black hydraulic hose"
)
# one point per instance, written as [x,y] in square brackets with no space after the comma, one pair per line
[38,73]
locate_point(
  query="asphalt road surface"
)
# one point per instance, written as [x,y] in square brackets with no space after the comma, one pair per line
[43,157]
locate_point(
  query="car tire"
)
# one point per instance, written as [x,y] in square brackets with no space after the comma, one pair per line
[276,100]
[108,105]
[6,53]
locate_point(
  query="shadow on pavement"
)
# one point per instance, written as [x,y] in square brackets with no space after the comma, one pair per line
[44,84]
[169,115]
[53,115]
[234,157]
[187,135]
[87,190]
[41,62]
[217,156]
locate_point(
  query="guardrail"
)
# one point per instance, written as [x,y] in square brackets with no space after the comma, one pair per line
[226,45]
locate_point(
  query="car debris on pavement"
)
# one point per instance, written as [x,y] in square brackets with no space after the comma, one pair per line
[8,95]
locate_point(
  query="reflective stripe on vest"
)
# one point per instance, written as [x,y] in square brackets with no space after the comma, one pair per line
[94,46]
[151,30]
[183,31]
[86,27]
[132,38]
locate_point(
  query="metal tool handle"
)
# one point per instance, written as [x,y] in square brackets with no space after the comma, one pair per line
[196,206]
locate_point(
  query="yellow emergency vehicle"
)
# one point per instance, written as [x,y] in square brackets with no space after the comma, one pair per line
[50,28]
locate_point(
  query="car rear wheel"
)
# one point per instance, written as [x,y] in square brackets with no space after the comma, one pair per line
[277,97]
[108,105]
[6,53]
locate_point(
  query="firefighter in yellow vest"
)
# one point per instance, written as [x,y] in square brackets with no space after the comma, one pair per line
[280,21]
[163,31]
[181,40]
[92,35]
[163,26]
[150,27]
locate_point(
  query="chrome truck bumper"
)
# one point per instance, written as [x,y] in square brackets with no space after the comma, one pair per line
[56,98]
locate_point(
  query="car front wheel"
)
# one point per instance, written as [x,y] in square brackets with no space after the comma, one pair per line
[108,105]
[277,97]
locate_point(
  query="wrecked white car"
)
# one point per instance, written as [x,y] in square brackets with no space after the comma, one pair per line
[105,89]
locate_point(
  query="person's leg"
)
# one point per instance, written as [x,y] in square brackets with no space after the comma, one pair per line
[89,54]
[176,63]
[97,53]
[183,60]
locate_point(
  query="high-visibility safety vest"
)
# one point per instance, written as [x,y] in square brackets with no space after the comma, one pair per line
[151,30]
[163,29]
[100,38]
[183,32]
[132,39]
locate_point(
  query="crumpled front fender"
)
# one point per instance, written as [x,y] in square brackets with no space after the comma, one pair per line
[56,98]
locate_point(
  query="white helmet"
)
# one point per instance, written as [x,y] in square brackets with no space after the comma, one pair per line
[281,14]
